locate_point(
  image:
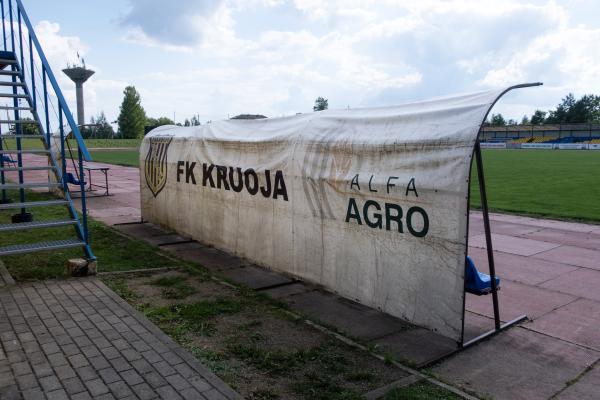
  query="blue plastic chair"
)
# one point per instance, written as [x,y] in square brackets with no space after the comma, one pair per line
[8,160]
[72,180]
[478,283]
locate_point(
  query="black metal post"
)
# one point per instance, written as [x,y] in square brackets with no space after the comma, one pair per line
[488,233]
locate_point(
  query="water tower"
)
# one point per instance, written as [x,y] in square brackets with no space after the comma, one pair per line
[79,74]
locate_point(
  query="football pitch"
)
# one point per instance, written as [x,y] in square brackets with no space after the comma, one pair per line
[552,183]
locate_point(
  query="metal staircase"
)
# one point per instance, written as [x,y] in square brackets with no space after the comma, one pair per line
[35,104]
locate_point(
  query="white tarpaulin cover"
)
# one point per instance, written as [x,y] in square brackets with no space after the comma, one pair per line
[369,203]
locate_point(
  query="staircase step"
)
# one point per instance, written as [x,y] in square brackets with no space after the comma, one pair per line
[18,121]
[7,61]
[10,73]
[15,169]
[15,108]
[42,246]
[22,136]
[12,186]
[12,84]
[29,151]
[14,96]
[36,225]
[31,204]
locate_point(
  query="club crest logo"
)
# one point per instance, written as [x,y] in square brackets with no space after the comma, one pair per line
[155,166]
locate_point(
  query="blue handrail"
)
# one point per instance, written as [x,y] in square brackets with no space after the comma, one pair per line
[61,100]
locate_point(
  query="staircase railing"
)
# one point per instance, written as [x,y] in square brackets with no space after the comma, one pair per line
[48,103]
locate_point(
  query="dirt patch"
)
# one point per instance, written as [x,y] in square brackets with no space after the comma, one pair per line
[251,342]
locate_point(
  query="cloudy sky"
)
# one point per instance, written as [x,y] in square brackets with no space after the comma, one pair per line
[219,58]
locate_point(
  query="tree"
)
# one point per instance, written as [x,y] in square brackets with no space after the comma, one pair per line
[187,122]
[321,104]
[511,122]
[525,120]
[195,121]
[99,129]
[497,120]
[572,110]
[538,117]
[132,117]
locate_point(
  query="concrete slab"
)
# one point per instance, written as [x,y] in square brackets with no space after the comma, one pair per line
[586,388]
[577,322]
[476,325]
[513,245]
[255,277]
[516,299]
[582,282]
[572,255]
[586,240]
[542,223]
[416,346]
[352,318]
[528,270]
[282,292]
[211,258]
[517,364]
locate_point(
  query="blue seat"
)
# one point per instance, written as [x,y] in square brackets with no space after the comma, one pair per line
[72,180]
[477,282]
[8,160]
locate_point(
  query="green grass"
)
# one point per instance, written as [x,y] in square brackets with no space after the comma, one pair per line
[90,143]
[174,287]
[421,391]
[114,251]
[559,184]
[180,319]
[117,157]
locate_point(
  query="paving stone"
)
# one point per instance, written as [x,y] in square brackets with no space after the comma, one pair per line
[144,391]
[28,381]
[418,345]
[177,381]
[281,292]
[516,299]
[581,283]
[131,377]
[587,387]
[57,395]
[353,318]
[512,245]
[517,364]
[21,368]
[577,322]
[64,372]
[109,375]
[10,393]
[96,387]
[50,383]
[33,394]
[213,259]
[82,396]
[120,389]
[572,255]
[255,277]
[167,392]
[73,385]
[527,270]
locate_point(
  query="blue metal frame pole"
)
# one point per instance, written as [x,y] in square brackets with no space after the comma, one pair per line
[62,149]
[33,93]
[46,105]
[12,29]
[3,24]
[83,201]
[2,179]
[20,40]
